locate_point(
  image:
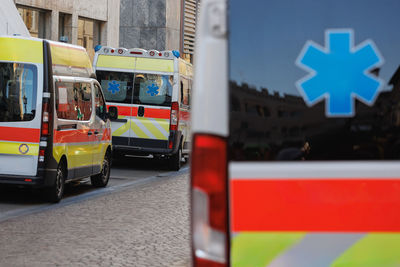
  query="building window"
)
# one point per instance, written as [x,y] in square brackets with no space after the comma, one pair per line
[65,28]
[35,21]
[89,34]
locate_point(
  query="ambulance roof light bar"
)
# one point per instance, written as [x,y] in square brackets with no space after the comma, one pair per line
[106,50]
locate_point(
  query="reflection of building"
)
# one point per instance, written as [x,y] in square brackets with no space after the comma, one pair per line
[83,22]
[161,25]
[265,124]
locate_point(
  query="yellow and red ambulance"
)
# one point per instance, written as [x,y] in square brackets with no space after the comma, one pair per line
[151,91]
[54,125]
[296,134]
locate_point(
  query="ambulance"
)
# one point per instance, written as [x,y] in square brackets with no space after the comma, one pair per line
[151,92]
[54,125]
[296,134]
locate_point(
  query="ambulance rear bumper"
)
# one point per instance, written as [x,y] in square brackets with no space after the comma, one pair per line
[25,180]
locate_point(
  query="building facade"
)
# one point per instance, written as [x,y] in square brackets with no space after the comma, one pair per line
[83,22]
[159,24]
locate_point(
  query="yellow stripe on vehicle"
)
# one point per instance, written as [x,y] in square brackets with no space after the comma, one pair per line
[21,50]
[19,149]
[123,129]
[151,64]
[116,62]
[150,125]
[374,250]
[139,132]
[258,249]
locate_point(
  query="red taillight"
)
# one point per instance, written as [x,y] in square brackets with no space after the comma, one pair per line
[136,53]
[174,116]
[209,201]
[45,119]
[28,180]
[112,50]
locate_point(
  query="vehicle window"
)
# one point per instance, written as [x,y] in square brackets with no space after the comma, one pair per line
[18,88]
[117,86]
[185,91]
[153,89]
[73,101]
[100,105]
[321,83]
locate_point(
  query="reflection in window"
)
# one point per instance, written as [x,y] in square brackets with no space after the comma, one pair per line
[74,101]
[153,89]
[117,86]
[18,83]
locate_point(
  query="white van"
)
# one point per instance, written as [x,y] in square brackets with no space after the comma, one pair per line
[296,134]
[54,125]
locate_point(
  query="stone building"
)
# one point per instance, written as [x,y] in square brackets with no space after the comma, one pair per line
[83,22]
[159,24]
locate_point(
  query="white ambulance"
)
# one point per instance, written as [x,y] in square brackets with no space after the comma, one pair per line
[296,134]
[54,125]
[151,91]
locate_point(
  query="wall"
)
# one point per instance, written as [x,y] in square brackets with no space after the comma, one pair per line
[106,11]
[150,24]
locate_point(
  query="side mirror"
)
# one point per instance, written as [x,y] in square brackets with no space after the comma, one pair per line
[113,113]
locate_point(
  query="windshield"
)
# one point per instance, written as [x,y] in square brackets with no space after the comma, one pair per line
[18,86]
[136,88]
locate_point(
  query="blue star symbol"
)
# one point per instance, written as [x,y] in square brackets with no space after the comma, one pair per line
[153,90]
[339,73]
[113,87]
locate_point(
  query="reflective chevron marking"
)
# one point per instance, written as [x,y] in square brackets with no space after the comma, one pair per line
[148,128]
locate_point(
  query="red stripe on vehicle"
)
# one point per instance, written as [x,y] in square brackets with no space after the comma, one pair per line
[15,134]
[333,205]
[122,110]
[155,113]
[73,136]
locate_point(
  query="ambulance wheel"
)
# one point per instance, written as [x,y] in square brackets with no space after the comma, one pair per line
[101,179]
[55,192]
[175,161]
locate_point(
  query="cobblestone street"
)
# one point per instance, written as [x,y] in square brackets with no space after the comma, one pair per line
[144,225]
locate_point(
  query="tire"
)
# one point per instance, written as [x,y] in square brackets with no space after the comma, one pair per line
[55,192]
[175,161]
[101,179]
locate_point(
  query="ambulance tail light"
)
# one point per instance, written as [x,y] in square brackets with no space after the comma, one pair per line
[174,120]
[210,231]
[45,120]
[136,53]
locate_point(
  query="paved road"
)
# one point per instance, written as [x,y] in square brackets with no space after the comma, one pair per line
[141,219]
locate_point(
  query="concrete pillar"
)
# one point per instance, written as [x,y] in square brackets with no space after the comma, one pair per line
[74,28]
[54,25]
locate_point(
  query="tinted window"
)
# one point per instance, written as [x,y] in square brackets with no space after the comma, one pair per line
[153,89]
[117,86]
[314,80]
[99,103]
[18,87]
[73,101]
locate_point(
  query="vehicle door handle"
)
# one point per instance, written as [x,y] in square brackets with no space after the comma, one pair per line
[89,133]
[96,132]
[141,111]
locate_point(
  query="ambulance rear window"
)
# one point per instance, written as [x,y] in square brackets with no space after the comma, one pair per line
[18,88]
[153,89]
[314,80]
[117,86]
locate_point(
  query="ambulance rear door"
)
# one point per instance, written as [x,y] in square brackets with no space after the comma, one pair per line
[21,82]
[153,97]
